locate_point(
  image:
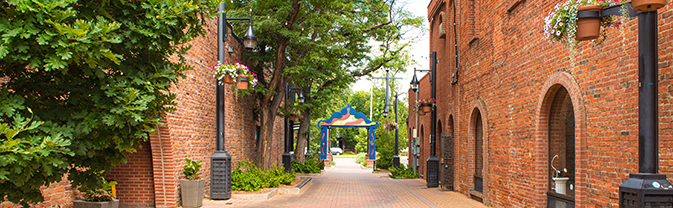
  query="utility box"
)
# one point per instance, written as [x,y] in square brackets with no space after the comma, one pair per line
[643,190]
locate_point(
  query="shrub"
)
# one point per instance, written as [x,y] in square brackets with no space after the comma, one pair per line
[311,165]
[253,178]
[244,181]
[361,158]
[402,172]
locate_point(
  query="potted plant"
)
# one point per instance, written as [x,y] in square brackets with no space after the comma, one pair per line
[192,186]
[247,78]
[562,24]
[425,105]
[226,72]
[98,196]
[391,126]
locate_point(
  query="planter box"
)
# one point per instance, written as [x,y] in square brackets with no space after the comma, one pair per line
[192,192]
[88,204]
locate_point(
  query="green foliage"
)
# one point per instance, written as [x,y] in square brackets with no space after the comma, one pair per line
[322,46]
[404,172]
[100,192]
[31,159]
[248,177]
[97,76]
[361,158]
[191,169]
[244,181]
[309,166]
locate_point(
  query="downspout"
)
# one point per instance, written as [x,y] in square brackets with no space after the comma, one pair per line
[163,166]
[455,32]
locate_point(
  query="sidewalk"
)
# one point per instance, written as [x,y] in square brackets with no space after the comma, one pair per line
[348,185]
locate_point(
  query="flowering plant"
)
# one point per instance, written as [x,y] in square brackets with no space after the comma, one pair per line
[559,25]
[391,126]
[419,102]
[252,77]
[231,69]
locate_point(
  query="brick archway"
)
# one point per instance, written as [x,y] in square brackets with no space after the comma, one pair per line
[478,109]
[555,82]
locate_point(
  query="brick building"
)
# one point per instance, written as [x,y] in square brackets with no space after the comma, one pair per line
[151,176]
[508,101]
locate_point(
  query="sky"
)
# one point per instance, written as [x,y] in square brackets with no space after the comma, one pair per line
[420,51]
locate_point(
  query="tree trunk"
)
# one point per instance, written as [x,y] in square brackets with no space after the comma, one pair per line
[268,118]
[301,138]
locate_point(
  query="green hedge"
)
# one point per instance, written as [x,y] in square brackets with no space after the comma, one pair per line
[253,178]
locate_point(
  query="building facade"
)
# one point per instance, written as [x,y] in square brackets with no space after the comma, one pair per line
[510,105]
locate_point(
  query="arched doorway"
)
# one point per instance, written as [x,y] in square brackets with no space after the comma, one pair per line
[446,161]
[478,134]
[561,150]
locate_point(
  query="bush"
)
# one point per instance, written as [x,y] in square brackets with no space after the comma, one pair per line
[253,178]
[361,158]
[402,172]
[244,181]
[311,165]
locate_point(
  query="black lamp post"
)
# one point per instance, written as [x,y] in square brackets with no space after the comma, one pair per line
[646,188]
[289,127]
[220,162]
[432,176]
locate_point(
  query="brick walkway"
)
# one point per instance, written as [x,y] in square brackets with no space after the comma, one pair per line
[348,185]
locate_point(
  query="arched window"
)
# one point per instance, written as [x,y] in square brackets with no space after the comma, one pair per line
[561,150]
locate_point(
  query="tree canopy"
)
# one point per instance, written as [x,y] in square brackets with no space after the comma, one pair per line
[93,78]
[321,46]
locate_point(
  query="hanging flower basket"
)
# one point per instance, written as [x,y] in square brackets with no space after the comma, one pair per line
[294,118]
[588,28]
[421,113]
[243,82]
[228,79]
[226,72]
[390,126]
[647,5]
[426,108]
[424,105]
[564,25]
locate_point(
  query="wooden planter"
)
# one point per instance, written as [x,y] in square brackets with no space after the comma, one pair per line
[294,118]
[647,5]
[88,204]
[421,113]
[243,82]
[192,192]
[228,80]
[426,108]
[588,28]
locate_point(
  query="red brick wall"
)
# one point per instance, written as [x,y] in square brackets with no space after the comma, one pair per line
[135,182]
[514,72]
[55,195]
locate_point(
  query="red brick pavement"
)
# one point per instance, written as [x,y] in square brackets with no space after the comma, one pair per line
[348,185]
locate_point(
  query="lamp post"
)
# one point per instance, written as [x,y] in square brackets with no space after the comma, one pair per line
[646,188]
[289,127]
[220,162]
[396,157]
[414,87]
[432,176]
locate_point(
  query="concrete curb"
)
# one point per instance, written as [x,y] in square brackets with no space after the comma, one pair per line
[301,186]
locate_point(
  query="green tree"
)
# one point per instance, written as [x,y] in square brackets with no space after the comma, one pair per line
[96,75]
[321,46]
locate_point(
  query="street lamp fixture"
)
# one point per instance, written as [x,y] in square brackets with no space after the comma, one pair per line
[301,97]
[385,113]
[414,82]
[249,40]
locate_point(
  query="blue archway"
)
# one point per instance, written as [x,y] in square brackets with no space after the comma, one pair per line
[347,118]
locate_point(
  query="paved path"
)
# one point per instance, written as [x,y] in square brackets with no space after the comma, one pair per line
[348,185]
